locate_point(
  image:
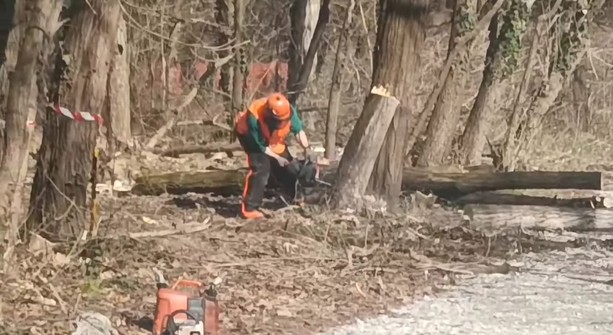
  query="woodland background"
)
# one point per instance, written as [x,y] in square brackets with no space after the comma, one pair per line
[512,85]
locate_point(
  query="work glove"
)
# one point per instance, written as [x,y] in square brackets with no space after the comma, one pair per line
[308,154]
[282,161]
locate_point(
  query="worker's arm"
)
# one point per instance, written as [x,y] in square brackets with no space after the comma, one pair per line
[256,135]
[298,129]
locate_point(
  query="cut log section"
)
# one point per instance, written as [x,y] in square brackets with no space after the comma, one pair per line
[446,185]
[579,220]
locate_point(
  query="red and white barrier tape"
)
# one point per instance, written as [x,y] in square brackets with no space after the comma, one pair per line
[76,116]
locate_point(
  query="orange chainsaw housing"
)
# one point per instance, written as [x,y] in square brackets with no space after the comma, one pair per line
[177,298]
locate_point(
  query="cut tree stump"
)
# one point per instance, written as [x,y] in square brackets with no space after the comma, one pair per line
[443,184]
[540,218]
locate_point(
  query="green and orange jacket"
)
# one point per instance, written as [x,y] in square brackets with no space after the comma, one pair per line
[258,131]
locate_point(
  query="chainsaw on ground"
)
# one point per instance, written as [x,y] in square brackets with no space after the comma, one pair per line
[307,173]
[186,308]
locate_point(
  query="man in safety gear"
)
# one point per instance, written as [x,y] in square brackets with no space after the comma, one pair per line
[262,130]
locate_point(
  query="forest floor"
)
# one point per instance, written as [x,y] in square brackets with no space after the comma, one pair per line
[301,271]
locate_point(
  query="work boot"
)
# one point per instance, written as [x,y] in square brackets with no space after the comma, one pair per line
[252,215]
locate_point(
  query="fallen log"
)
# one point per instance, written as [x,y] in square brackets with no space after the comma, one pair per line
[225,182]
[492,198]
[454,185]
[446,185]
[541,218]
[199,149]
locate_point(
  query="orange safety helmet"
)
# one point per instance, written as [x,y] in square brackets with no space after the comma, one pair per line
[279,106]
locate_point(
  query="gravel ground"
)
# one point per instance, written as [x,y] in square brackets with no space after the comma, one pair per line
[555,293]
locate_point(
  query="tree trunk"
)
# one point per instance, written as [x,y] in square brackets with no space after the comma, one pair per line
[298,83]
[386,178]
[446,115]
[569,51]
[117,117]
[399,32]
[334,101]
[581,96]
[13,167]
[444,73]
[240,61]
[8,56]
[7,13]
[449,185]
[59,191]
[473,138]
[508,148]
[224,10]
[304,15]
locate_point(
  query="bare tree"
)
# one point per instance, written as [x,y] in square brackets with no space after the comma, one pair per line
[304,17]
[298,83]
[240,58]
[63,168]
[224,10]
[399,35]
[42,16]
[334,101]
[501,60]
[12,13]
[568,48]
[117,114]
[580,96]
[443,122]
[7,12]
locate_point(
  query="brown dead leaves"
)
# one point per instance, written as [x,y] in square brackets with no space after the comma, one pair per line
[301,271]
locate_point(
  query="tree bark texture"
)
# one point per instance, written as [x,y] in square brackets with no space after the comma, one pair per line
[508,149]
[59,192]
[581,97]
[446,115]
[13,166]
[473,138]
[297,84]
[117,117]
[7,13]
[224,10]
[334,101]
[304,16]
[570,50]
[450,185]
[9,54]
[240,58]
[444,73]
[297,50]
[399,30]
